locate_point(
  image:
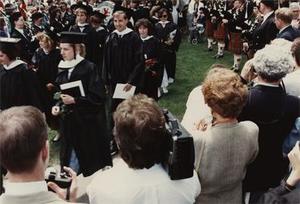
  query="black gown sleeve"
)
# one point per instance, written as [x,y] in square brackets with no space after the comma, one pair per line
[139,65]
[95,91]
[33,90]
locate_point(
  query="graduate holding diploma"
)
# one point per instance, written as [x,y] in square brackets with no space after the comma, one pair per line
[85,145]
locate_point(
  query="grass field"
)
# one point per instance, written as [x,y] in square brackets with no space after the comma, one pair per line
[193,61]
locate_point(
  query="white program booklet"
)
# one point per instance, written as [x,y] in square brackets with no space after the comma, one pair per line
[73,85]
[121,94]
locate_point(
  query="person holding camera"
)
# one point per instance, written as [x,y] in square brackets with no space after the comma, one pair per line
[224,147]
[139,177]
[24,150]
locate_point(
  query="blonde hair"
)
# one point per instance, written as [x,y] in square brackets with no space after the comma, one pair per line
[284,14]
[224,92]
[80,49]
[45,38]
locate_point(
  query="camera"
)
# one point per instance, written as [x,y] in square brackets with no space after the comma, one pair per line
[61,179]
[182,152]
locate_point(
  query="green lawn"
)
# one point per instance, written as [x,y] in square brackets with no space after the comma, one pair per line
[193,61]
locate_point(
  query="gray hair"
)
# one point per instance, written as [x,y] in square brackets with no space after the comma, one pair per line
[274,61]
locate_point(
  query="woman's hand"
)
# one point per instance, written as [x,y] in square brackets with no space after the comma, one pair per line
[201,125]
[55,110]
[62,193]
[67,99]
[248,72]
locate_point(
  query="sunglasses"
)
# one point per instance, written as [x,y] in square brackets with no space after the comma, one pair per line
[164,16]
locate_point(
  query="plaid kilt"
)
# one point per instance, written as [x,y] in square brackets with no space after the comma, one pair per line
[209,29]
[235,43]
[220,33]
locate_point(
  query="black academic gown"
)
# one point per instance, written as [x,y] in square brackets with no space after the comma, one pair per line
[91,46]
[27,47]
[46,66]
[36,29]
[153,72]
[168,53]
[123,61]
[19,86]
[101,35]
[83,128]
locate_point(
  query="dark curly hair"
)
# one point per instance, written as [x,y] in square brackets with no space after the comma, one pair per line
[140,132]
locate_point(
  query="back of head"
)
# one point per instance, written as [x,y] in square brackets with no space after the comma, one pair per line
[224,92]
[274,61]
[285,15]
[141,133]
[23,133]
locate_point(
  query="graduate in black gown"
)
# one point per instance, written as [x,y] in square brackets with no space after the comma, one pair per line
[169,36]
[123,62]
[37,23]
[151,51]
[45,61]
[96,20]
[20,31]
[123,58]
[18,85]
[82,26]
[83,122]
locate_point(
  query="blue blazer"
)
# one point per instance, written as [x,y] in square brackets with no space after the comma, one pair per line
[289,33]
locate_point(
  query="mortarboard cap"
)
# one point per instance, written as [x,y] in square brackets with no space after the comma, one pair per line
[9,41]
[72,37]
[36,16]
[98,14]
[10,46]
[86,8]
[127,11]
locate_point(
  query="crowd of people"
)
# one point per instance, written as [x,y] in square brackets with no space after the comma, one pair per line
[65,64]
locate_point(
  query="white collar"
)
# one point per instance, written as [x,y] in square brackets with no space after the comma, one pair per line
[41,27]
[82,24]
[282,29]
[147,38]
[13,64]
[69,64]
[267,16]
[20,30]
[163,23]
[265,84]
[123,32]
[100,28]
[25,188]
